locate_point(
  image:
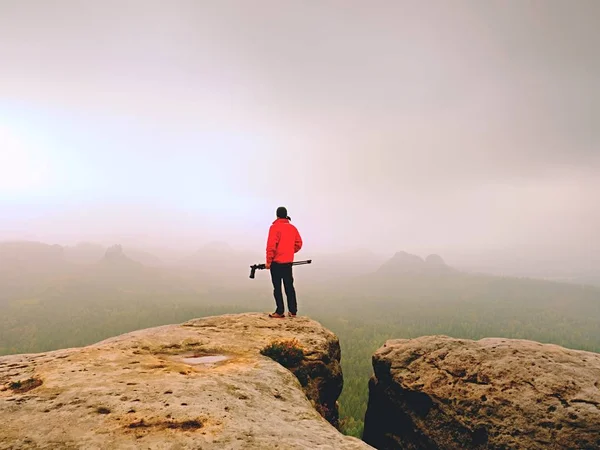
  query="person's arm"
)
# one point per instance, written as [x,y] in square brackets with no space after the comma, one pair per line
[297,242]
[272,242]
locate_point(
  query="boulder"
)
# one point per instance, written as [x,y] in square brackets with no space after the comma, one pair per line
[437,392]
[201,384]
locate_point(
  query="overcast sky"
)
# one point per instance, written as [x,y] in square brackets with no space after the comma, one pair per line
[393,125]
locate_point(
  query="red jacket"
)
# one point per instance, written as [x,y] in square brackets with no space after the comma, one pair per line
[283,242]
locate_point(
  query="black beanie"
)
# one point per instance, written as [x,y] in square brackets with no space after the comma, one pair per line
[282,213]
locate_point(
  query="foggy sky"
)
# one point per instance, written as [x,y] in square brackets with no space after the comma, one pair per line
[443,126]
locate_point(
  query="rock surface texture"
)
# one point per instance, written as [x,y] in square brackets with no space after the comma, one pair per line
[202,384]
[436,392]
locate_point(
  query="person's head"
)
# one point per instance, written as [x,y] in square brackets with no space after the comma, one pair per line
[282,213]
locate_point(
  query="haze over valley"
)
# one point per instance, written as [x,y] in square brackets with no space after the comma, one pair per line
[440,159]
[58,297]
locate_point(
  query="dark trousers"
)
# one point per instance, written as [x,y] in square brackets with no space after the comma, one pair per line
[279,273]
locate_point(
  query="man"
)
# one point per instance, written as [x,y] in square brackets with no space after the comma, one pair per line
[283,242]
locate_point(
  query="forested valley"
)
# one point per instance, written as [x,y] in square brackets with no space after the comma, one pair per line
[52,309]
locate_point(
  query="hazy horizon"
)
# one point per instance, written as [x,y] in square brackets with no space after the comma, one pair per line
[469,129]
[454,128]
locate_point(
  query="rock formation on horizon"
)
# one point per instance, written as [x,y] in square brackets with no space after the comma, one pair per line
[115,257]
[409,264]
[435,261]
[437,392]
[201,384]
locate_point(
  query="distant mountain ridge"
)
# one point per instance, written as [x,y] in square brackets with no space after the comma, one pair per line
[31,256]
[407,263]
[222,261]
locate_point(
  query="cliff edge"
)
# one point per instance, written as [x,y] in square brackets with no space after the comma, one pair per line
[437,392]
[201,384]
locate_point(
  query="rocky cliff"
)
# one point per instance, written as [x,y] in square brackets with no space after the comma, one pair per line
[441,393]
[201,384]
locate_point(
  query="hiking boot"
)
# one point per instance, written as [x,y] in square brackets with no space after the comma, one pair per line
[291,314]
[277,316]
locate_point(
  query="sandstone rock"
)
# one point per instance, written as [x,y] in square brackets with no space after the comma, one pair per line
[201,384]
[436,392]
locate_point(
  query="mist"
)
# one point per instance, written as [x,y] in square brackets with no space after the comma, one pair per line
[458,127]
[440,160]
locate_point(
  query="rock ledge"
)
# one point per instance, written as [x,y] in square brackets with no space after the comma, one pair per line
[437,392]
[201,384]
